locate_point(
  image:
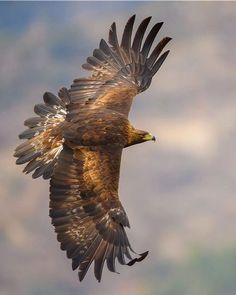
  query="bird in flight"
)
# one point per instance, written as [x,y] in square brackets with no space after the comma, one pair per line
[76,140]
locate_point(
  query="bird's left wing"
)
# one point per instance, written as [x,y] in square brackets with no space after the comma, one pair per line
[119,70]
[85,208]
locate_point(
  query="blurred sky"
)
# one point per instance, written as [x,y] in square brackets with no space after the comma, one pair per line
[179,193]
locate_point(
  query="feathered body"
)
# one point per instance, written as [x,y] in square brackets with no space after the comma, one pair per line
[77,141]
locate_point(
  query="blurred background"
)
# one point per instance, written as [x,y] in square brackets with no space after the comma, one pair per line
[179,193]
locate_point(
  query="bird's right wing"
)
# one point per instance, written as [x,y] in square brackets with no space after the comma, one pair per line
[85,209]
[119,71]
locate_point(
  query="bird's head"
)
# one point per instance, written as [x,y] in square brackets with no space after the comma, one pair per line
[148,136]
[139,136]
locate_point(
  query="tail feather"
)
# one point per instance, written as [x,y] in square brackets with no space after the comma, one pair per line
[44,137]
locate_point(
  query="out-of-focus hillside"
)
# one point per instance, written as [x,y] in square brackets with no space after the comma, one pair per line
[179,193]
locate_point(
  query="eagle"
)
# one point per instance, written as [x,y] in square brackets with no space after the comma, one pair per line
[76,140]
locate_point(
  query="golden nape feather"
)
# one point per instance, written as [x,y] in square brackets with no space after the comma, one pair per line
[77,141]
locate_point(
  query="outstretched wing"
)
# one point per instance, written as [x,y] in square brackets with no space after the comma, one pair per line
[85,209]
[119,71]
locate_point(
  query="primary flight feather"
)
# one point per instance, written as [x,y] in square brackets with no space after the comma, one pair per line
[77,141]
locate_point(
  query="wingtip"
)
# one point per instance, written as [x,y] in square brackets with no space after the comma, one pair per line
[159,25]
[98,277]
[113,26]
[163,57]
[148,18]
[133,17]
[150,39]
[142,257]
[166,53]
[74,265]
[45,94]
[81,275]
[159,62]
[18,162]
[102,41]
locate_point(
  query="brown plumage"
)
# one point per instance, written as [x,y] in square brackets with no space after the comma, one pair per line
[77,141]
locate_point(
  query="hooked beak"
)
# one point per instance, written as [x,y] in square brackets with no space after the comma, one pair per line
[149,136]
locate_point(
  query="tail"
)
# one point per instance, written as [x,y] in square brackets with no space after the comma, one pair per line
[44,136]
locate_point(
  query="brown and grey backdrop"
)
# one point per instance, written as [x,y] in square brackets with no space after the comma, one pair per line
[179,193]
